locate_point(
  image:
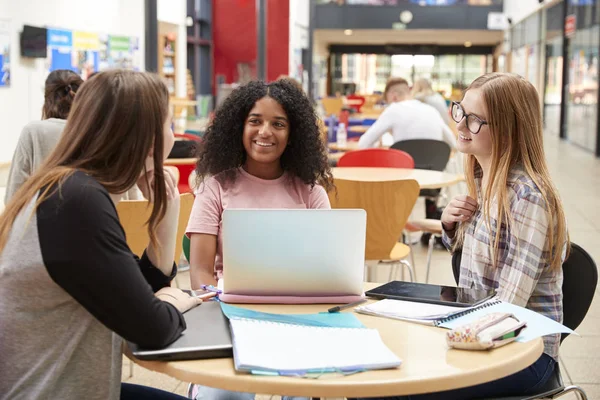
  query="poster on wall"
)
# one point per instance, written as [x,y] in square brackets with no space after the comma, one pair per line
[4,54]
[121,55]
[87,52]
[60,50]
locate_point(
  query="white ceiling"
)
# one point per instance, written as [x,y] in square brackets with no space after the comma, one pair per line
[325,37]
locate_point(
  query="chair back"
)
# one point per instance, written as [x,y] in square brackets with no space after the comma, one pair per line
[427,153]
[383,158]
[355,101]
[388,205]
[185,166]
[332,105]
[580,277]
[134,215]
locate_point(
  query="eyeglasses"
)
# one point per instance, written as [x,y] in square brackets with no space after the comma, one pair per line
[474,123]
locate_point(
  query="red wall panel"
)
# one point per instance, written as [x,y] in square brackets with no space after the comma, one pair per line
[234,37]
[278,38]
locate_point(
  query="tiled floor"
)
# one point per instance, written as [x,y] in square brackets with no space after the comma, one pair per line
[577,176]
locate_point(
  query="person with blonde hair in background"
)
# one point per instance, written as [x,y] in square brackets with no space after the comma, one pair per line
[423,91]
[406,118]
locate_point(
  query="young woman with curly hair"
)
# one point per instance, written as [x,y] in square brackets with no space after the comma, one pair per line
[262,150]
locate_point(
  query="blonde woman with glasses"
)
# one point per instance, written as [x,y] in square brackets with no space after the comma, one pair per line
[511,226]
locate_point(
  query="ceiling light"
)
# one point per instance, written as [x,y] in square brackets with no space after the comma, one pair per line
[406,17]
[348,32]
[468,44]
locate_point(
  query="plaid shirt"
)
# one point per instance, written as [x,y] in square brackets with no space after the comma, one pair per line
[523,276]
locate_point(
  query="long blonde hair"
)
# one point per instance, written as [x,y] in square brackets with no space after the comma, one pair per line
[116,121]
[422,89]
[515,123]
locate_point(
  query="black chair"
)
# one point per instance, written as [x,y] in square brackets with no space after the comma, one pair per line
[427,153]
[432,155]
[580,277]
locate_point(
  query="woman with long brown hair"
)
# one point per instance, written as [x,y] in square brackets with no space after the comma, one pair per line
[71,287]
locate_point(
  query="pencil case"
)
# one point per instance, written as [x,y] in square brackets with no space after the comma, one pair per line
[488,332]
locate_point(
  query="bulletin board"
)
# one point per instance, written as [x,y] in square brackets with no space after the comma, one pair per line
[89,52]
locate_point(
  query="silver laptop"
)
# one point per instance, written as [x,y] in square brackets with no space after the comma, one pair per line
[293,252]
[207,336]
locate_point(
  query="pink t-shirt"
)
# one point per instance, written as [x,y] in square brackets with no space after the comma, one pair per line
[248,191]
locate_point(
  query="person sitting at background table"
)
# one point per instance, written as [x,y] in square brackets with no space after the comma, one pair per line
[500,131]
[263,150]
[39,138]
[406,118]
[423,91]
[71,288]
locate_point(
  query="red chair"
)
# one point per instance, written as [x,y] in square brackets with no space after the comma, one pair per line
[355,101]
[383,158]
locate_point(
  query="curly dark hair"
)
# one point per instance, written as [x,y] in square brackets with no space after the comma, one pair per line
[222,149]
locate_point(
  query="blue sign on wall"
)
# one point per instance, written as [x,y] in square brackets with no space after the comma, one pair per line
[60,38]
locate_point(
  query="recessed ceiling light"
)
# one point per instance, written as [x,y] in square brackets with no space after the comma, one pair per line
[468,44]
[406,17]
[348,32]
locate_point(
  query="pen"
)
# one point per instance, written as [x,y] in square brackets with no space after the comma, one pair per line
[343,307]
[211,288]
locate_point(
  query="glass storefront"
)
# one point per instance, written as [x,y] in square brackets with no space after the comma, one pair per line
[525,43]
[368,73]
[582,61]
[553,69]
[580,106]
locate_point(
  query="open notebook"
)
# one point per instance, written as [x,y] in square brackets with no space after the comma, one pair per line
[422,313]
[452,317]
[263,347]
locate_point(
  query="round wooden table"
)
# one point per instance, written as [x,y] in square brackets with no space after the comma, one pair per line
[358,128]
[427,179]
[351,145]
[427,364]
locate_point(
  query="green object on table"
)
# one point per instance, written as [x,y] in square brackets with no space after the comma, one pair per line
[508,336]
[186,247]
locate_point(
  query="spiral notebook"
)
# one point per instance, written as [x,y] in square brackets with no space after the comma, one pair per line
[422,313]
[451,317]
[271,348]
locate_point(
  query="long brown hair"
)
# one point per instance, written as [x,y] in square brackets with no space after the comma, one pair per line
[515,124]
[60,88]
[116,121]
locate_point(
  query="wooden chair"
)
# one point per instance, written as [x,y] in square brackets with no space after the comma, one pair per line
[332,105]
[388,205]
[134,214]
[185,166]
